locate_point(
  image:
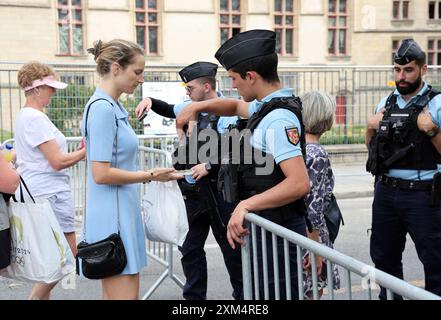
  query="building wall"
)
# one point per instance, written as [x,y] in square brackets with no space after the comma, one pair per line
[374,30]
[190,29]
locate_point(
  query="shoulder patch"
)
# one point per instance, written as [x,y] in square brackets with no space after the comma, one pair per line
[293,135]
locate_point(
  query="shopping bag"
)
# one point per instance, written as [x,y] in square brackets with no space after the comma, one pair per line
[39,249]
[164,214]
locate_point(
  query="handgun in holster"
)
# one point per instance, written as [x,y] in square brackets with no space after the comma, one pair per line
[209,194]
[228,182]
[435,192]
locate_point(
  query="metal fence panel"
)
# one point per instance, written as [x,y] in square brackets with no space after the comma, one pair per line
[357,91]
[350,266]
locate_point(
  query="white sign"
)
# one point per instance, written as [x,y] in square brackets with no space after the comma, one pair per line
[170,92]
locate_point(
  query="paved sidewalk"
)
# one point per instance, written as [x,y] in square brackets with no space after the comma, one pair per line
[352,181]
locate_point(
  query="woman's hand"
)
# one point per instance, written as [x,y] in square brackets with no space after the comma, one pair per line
[164,174]
[315,235]
[144,106]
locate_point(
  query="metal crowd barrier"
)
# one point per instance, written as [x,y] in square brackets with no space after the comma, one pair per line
[158,251]
[369,274]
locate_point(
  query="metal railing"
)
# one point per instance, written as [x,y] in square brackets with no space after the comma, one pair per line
[160,252]
[369,274]
[357,89]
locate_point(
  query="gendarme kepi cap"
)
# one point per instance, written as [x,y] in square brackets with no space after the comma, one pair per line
[408,51]
[198,70]
[246,45]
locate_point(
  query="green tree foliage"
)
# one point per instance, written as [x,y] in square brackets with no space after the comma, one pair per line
[67,106]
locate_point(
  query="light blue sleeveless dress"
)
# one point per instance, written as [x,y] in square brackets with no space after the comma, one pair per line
[101,204]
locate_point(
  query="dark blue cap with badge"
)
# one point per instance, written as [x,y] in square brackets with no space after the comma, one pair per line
[246,45]
[198,70]
[408,51]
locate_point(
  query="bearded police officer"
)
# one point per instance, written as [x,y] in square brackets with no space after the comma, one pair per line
[404,143]
[205,206]
[275,124]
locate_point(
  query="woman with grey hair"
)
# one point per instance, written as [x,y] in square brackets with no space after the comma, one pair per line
[318,117]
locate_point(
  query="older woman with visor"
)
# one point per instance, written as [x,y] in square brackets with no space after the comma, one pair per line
[42,157]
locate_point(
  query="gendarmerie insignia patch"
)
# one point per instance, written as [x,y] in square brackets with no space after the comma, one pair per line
[293,135]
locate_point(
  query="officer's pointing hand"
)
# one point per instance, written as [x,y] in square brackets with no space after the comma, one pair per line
[235,229]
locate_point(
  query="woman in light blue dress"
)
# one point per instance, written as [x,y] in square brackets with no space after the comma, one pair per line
[114,179]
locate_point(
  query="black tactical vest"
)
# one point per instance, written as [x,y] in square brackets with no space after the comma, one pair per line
[206,121]
[399,144]
[198,191]
[252,183]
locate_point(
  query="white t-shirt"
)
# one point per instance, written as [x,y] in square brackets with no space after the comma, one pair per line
[32,128]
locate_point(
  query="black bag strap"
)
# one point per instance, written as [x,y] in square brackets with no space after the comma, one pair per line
[22,183]
[333,199]
[87,113]
[116,164]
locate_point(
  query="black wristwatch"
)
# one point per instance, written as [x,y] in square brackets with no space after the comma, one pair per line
[433,132]
[208,166]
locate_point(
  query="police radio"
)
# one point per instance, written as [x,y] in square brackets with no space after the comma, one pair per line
[384,129]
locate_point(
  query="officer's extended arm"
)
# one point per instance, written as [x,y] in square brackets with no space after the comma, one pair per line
[160,107]
[163,108]
[293,187]
[219,107]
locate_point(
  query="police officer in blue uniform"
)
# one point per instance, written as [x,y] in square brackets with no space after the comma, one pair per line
[205,206]
[274,188]
[404,155]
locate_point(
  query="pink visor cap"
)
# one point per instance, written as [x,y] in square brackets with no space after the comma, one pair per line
[48,81]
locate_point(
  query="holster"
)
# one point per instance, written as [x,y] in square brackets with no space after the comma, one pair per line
[228,182]
[435,192]
[372,164]
[209,191]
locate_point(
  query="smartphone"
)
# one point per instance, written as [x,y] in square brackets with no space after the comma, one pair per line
[186,172]
[142,117]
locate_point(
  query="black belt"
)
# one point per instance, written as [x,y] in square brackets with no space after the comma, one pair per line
[406,184]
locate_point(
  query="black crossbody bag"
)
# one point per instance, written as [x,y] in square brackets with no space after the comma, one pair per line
[107,257]
[333,218]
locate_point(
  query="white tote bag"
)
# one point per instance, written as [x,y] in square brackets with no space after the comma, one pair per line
[164,213]
[40,252]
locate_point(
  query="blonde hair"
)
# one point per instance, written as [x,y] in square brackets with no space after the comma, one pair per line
[31,71]
[121,51]
[318,112]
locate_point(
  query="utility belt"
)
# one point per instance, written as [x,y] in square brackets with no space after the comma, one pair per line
[434,186]
[406,184]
